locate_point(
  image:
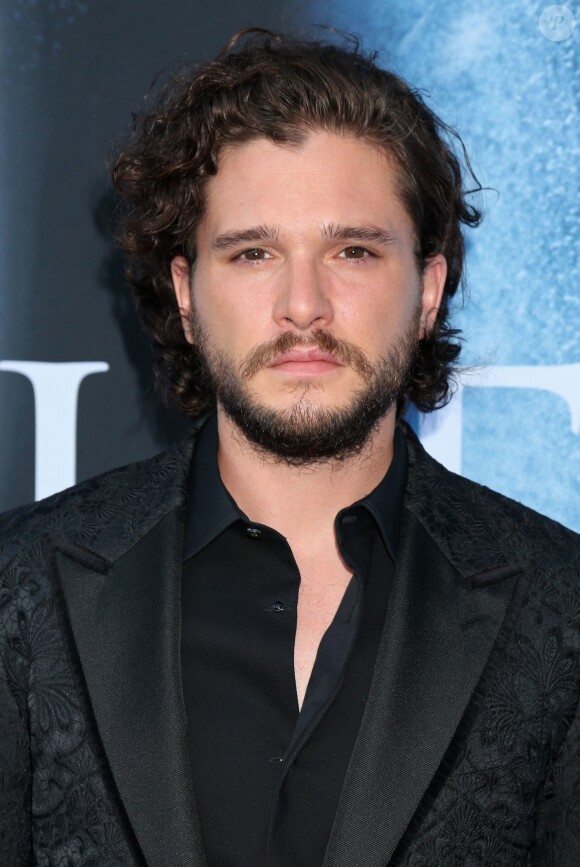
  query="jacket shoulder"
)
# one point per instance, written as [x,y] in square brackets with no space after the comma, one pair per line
[81,512]
[515,515]
[463,512]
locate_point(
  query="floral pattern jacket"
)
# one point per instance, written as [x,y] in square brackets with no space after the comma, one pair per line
[469,748]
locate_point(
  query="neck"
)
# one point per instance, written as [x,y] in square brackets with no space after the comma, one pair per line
[293,499]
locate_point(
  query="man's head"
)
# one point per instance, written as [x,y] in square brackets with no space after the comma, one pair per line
[292,195]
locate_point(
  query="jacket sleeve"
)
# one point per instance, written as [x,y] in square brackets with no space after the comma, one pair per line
[15,773]
[557,842]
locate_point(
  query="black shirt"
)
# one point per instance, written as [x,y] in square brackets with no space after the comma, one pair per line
[267,776]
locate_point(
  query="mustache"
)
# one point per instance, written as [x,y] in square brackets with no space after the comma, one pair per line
[345,352]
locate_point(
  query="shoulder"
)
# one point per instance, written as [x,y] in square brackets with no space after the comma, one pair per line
[453,507]
[81,512]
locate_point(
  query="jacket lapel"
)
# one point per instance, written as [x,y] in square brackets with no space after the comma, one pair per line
[450,614]
[444,633]
[120,606]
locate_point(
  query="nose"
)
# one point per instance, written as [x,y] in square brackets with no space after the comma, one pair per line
[303,299]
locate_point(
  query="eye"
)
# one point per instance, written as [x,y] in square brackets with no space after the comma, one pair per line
[355,253]
[255,254]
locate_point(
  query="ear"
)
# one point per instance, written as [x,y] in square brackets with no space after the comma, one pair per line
[181,277]
[434,276]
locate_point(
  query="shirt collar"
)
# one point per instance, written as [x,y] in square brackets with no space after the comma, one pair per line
[211,509]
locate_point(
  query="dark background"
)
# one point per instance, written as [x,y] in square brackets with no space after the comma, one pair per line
[71,75]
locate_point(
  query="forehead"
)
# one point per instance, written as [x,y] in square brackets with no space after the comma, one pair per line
[328,177]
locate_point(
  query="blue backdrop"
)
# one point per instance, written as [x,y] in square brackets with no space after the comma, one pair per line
[512,92]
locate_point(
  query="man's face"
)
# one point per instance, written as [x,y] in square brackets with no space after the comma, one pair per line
[306,250]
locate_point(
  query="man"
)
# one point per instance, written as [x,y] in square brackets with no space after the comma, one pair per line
[295,639]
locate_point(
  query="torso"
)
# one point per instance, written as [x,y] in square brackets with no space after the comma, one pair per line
[323,580]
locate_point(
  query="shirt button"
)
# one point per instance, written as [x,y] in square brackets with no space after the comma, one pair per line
[278,606]
[253,532]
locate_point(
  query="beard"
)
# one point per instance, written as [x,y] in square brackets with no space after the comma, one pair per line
[307,433]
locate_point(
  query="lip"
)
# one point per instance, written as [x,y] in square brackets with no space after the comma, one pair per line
[301,357]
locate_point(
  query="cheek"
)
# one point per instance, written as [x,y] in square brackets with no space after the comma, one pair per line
[378,317]
[209,303]
[232,328]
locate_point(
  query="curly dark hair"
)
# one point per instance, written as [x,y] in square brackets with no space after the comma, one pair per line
[274,86]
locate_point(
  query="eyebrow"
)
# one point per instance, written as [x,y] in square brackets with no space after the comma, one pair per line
[371,234]
[255,233]
[331,231]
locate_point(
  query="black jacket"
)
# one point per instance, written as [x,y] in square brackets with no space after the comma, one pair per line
[469,749]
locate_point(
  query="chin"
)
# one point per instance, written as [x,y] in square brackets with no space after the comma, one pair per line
[308,402]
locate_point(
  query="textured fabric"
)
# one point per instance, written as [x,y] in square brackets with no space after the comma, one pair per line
[502,792]
[70,818]
[468,752]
